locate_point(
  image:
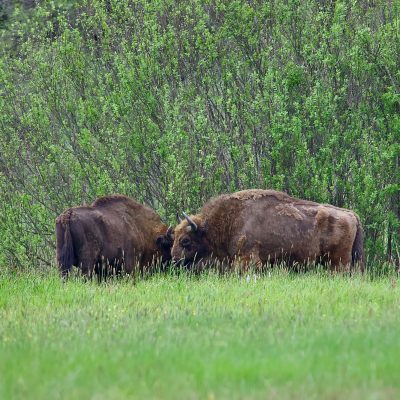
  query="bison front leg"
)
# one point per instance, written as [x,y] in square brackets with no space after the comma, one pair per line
[250,259]
[246,255]
[131,262]
[341,261]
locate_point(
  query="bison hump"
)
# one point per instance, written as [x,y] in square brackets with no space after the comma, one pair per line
[112,199]
[255,194]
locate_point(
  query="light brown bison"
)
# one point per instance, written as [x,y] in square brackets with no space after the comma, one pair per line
[114,230]
[265,226]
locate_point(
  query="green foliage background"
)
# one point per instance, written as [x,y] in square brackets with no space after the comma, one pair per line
[172,102]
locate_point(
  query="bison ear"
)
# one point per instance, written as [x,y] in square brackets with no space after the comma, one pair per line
[204,227]
[159,241]
[167,239]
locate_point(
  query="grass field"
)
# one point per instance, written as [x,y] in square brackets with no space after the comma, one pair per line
[280,336]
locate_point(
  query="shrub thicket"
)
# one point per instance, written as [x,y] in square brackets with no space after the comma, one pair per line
[172,102]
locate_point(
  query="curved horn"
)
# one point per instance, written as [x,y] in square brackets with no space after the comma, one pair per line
[178,218]
[169,231]
[190,221]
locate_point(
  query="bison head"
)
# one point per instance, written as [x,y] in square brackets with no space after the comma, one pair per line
[190,241]
[164,244]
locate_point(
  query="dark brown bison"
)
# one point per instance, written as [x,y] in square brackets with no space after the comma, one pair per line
[114,231]
[266,226]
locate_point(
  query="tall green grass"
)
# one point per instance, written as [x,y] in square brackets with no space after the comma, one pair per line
[282,335]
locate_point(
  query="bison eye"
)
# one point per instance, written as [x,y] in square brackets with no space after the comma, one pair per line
[185,242]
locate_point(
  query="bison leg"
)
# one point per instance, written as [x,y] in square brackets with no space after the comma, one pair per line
[87,267]
[129,262]
[251,258]
[341,261]
[87,262]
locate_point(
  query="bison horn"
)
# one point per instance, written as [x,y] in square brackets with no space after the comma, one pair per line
[169,231]
[190,221]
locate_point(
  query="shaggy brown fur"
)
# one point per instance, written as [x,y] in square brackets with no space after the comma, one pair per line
[115,230]
[265,226]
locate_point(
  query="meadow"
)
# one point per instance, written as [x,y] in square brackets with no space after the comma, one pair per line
[279,336]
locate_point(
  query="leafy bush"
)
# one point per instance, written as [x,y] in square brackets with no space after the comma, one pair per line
[173,102]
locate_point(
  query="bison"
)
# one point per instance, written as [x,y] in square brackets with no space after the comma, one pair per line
[265,226]
[114,230]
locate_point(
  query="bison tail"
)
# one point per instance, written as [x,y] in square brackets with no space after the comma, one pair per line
[357,252]
[65,247]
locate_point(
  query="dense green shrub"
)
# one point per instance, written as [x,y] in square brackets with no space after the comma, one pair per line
[172,102]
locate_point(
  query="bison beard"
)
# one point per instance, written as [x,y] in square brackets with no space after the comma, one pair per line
[114,233]
[265,226]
